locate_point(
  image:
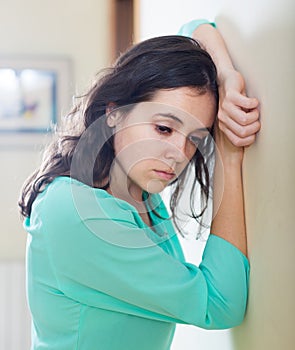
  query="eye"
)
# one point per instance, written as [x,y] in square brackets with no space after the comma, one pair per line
[164,130]
[195,140]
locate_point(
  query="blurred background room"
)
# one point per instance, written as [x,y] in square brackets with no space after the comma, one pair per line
[51,50]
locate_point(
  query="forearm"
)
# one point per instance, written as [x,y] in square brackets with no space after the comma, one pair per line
[212,41]
[228,206]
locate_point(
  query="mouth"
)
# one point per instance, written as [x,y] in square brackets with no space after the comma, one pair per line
[165,175]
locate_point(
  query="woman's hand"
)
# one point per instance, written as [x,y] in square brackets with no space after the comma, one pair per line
[238,115]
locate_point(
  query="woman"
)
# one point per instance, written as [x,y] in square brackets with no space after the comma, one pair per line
[105,268]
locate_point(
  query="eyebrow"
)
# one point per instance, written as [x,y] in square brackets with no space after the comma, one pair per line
[172,116]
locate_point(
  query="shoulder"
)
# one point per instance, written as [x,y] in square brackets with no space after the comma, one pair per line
[68,199]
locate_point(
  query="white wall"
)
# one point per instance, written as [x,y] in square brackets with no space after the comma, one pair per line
[78,30]
[260,38]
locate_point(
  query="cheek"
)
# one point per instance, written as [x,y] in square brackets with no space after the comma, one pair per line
[132,137]
[138,169]
[135,155]
[136,147]
[120,139]
[190,150]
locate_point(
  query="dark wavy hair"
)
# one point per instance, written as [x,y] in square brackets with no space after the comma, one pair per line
[166,62]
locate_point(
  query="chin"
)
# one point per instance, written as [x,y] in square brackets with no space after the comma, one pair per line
[155,187]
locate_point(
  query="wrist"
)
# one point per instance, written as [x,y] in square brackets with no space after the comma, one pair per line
[232,159]
[227,73]
[227,155]
[226,152]
[233,163]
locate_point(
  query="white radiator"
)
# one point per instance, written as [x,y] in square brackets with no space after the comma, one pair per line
[14,315]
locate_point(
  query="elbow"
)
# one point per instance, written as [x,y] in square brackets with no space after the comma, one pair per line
[227,304]
[223,314]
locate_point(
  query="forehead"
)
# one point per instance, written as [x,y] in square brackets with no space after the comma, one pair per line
[184,106]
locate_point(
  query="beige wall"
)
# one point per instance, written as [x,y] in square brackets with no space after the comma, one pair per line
[261,38]
[79,30]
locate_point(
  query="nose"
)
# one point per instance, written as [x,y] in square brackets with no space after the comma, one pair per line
[175,148]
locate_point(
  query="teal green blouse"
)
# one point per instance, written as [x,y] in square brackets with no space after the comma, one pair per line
[99,278]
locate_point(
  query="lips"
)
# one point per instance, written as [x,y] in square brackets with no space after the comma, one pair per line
[166,175]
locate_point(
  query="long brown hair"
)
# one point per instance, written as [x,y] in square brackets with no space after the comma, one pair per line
[165,62]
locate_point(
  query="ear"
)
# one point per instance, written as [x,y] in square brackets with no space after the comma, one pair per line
[112,115]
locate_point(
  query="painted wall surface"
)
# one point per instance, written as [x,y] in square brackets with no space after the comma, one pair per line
[77,30]
[260,36]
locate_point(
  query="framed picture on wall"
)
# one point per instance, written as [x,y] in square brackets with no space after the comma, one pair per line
[33,93]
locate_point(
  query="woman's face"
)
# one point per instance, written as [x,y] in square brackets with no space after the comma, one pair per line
[156,140]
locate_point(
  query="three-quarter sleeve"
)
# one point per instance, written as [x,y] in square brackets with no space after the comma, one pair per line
[226,270]
[188,28]
[140,279]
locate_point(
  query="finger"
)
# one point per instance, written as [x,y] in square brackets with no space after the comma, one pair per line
[244,101]
[241,130]
[238,115]
[235,139]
